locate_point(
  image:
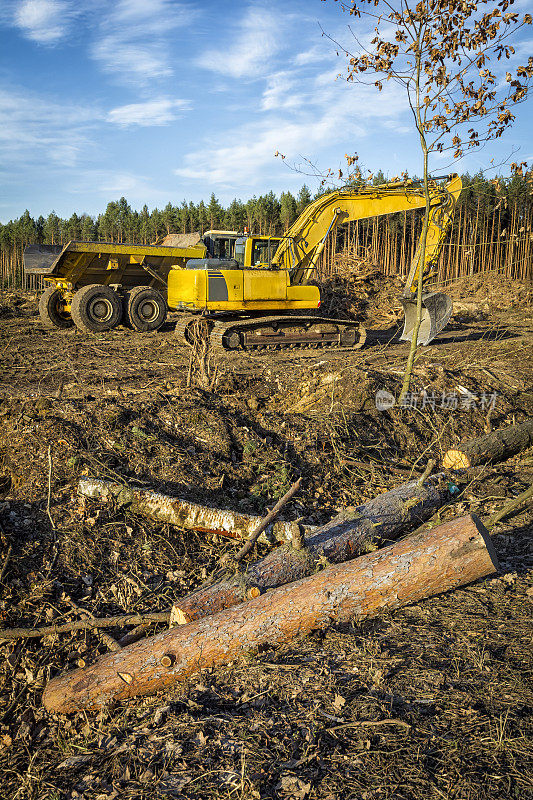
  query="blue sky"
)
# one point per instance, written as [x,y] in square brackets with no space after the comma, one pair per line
[161,100]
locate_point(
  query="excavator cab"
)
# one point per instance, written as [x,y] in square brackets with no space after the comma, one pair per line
[252,252]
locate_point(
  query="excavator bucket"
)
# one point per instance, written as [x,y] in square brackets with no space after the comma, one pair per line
[436,312]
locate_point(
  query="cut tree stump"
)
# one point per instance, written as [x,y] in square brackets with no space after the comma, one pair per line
[495,446]
[346,536]
[184,514]
[419,566]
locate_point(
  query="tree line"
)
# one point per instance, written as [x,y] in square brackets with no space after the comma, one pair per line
[491,229]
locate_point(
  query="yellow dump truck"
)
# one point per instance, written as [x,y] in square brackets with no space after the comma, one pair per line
[97,285]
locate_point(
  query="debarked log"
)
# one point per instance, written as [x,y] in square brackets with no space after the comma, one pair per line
[346,536]
[417,567]
[184,514]
[496,446]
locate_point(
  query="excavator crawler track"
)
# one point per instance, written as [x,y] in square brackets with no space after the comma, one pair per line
[281,332]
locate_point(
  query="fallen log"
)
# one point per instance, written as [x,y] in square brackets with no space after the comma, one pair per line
[184,514]
[346,536]
[417,567]
[495,446]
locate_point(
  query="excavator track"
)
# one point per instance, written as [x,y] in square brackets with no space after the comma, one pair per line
[281,332]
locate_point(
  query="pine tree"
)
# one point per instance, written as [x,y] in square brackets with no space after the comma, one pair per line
[303,199]
[144,225]
[287,210]
[215,213]
[88,228]
[203,217]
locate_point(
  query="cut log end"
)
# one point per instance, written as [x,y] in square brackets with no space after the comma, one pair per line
[455,459]
[177,617]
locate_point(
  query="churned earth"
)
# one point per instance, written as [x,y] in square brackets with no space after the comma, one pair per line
[432,701]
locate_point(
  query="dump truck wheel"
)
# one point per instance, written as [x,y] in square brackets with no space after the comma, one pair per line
[52,309]
[146,309]
[96,308]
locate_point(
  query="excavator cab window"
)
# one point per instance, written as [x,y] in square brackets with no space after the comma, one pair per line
[222,248]
[263,251]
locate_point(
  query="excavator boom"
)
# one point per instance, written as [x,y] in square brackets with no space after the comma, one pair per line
[300,249]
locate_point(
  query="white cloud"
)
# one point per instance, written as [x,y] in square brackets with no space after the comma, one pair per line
[336,114]
[36,130]
[255,40]
[151,113]
[312,56]
[133,38]
[43,21]
[281,92]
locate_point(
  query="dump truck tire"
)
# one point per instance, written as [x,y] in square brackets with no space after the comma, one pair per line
[146,309]
[96,308]
[52,311]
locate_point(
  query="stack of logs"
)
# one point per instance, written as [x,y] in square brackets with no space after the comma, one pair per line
[302,584]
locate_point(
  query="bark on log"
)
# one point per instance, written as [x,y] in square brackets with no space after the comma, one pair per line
[419,566]
[175,511]
[344,537]
[495,446]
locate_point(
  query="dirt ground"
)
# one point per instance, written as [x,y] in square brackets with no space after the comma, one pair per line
[432,701]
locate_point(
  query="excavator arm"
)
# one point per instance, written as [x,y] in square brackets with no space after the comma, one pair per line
[305,240]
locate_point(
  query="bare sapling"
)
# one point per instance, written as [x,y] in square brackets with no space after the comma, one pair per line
[456,64]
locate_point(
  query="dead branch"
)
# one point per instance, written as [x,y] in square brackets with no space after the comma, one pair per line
[6,562]
[509,507]
[266,522]
[83,625]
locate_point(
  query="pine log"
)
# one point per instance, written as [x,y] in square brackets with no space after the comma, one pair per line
[183,513]
[417,567]
[346,536]
[495,446]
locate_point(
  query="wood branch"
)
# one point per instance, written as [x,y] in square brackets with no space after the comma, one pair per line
[266,522]
[509,507]
[346,536]
[184,514]
[6,562]
[84,625]
[496,446]
[417,567]
[108,640]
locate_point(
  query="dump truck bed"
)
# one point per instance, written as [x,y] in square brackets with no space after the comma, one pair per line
[82,263]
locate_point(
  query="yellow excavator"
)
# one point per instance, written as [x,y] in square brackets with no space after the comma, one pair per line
[256,299]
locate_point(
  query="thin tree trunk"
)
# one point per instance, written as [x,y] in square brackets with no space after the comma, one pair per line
[418,321]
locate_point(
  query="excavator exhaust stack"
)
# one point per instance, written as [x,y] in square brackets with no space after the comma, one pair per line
[436,312]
